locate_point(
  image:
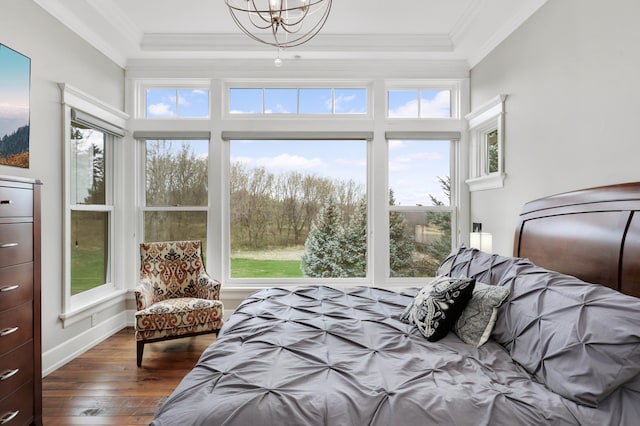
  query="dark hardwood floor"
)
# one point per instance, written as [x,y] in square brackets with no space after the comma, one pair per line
[104,387]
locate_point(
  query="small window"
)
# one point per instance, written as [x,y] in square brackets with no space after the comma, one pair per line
[486,131]
[419,103]
[177,103]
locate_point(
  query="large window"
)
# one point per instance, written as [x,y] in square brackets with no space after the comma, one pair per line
[298,208]
[420,213]
[91,208]
[300,181]
[176,190]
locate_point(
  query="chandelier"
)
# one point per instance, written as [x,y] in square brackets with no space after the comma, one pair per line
[280,23]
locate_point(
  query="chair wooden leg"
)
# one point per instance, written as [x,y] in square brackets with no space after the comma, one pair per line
[139,350]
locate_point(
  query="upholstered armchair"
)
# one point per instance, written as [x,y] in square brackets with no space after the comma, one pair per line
[175,297]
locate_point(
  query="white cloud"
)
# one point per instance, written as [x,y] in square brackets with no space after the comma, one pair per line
[437,107]
[440,106]
[396,144]
[410,109]
[12,112]
[160,110]
[404,162]
[279,109]
[283,162]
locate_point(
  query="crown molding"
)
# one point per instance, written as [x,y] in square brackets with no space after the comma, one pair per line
[298,68]
[160,42]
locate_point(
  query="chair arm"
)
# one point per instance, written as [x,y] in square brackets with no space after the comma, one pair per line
[144,294]
[208,288]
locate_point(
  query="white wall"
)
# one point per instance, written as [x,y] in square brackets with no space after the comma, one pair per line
[57,55]
[573,112]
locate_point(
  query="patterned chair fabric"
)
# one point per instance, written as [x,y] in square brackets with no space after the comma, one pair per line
[175,297]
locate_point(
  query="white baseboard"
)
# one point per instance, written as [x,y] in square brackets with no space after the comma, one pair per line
[72,348]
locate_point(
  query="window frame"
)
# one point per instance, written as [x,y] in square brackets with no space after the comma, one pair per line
[454,87]
[111,122]
[483,121]
[141,140]
[222,124]
[268,282]
[229,84]
[452,207]
[141,87]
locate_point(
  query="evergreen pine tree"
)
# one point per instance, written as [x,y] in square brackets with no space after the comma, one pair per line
[440,248]
[402,250]
[323,251]
[355,243]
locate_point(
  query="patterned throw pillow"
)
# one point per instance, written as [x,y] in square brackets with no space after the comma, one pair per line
[477,320]
[437,306]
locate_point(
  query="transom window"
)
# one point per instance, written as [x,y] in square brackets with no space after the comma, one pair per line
[177,103]
[304,101]
[423,101]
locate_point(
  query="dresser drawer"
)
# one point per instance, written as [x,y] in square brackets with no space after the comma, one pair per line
[16,285]
[16,368]
[16,327]
[16,243]
[18,406]
[16,202]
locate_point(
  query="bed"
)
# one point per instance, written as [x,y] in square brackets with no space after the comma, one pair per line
[561,350]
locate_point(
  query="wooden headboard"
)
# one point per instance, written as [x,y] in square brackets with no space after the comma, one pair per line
[593,234]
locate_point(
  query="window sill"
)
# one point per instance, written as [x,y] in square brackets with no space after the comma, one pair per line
[492,181]
[85,311]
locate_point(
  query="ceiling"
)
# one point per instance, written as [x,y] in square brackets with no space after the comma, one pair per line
[128,30]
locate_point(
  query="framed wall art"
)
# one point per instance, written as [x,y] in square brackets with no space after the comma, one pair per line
[15,85]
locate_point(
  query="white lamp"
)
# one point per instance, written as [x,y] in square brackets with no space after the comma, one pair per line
[482,241]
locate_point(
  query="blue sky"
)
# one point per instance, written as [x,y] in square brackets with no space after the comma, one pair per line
[14,90]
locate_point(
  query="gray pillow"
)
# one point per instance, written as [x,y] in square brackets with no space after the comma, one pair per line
[438,305]
[582,340]
[477,320]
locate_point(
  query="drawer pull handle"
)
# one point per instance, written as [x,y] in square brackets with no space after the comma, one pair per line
[8,331]
[9,288]
[8,245]
[9,373]
[5,202]
[8,416]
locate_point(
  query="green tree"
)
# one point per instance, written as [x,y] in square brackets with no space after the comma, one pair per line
[323,249]
[402,250]
[440,248]
[355,242]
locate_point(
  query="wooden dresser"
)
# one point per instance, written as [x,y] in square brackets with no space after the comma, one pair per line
[20,328]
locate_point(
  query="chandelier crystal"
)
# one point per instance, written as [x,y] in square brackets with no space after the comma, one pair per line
[280,23]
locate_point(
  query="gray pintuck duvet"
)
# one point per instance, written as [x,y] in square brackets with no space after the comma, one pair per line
[324,356]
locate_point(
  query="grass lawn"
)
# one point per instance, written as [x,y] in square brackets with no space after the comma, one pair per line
[265,268]
[87,270]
